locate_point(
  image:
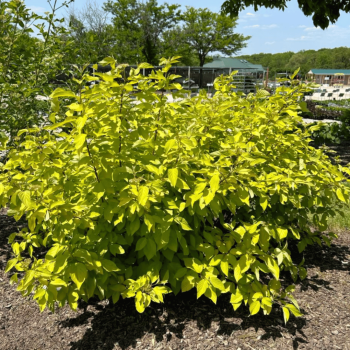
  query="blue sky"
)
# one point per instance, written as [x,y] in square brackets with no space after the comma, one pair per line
[272,31]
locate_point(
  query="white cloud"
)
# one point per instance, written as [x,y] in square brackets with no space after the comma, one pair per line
[269,42]
[256,26]
[249,16]
[253,26]
[302,38]
[312,29]
[339,32]
[37,9]
[328,34]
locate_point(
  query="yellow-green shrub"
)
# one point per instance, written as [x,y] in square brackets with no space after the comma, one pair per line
[143,197]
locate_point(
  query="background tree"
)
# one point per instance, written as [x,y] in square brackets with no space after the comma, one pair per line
[337,58]
[301,60]
[173,45]
[92,33]
[28,65]
[205,31]
[139,28]
[322,11]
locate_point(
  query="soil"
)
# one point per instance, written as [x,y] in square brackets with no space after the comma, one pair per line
[183,322]
[343,151]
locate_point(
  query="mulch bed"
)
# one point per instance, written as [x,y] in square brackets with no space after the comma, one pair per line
[343,151]
[183,322]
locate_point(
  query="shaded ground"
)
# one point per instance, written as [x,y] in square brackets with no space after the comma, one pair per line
[334,150]
[343,151]
[183,322]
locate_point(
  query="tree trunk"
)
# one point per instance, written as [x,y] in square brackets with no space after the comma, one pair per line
[201,64]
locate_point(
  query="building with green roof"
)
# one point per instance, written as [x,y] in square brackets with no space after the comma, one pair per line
[244,80]
[233,64]
[330,76]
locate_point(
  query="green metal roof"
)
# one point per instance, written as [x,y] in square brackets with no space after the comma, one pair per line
[330,71]
[257,66]
[235,63]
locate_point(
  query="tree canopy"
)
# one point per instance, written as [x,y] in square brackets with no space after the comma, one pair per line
[140,26]
[337,58]
[148,31]
[323,12]
[205,31]
[91,32]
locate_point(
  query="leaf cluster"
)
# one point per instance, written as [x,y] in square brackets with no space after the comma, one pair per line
[148,31]
[28,65]
[323,12]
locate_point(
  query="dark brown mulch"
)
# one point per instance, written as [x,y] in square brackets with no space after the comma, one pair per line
[343,151]
[183,322]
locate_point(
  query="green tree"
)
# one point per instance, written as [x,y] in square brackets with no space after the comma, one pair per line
[323,12]
[173,45]
[337,58]
[205,31]
[302,60]
[139,28]
[92,34]
[324,59]
[28,65]
[341,56]
[276,62]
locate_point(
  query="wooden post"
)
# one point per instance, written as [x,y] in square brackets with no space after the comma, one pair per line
[267,77]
